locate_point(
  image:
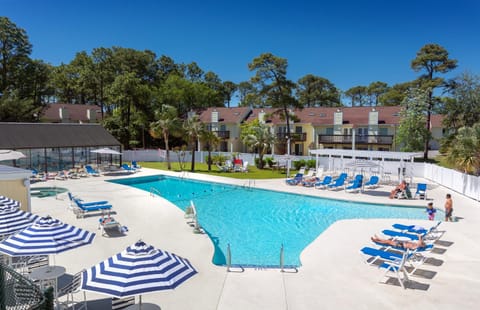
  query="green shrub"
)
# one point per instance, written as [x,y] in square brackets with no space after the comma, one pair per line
[269,161]
[311,163]
[219,159]
[299,164]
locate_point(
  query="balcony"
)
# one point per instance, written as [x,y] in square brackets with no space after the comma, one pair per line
[223,134]
[294,137]
[359,139]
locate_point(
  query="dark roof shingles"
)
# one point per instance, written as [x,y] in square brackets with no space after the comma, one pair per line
[40,135]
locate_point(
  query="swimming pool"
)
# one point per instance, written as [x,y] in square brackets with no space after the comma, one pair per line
[256,222]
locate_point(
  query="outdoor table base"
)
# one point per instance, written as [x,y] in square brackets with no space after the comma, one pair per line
[45,276]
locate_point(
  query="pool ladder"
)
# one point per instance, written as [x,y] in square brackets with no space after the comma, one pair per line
[283,268]
[249,184]
[154,191]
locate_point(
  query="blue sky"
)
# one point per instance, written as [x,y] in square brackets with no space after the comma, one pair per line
[350,43]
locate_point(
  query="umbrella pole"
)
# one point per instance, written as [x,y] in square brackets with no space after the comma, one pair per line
[140,302]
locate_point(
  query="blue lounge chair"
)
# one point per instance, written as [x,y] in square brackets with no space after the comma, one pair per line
[135,165]
[373,182]
[391,262]
[431,234]
[322,184]
[386,247]
[421,191]
[399,234]
[415,228]
[295,180]
[82,208]
[85,204]
[90,171]
[356,186]
[338,183]
[127,168]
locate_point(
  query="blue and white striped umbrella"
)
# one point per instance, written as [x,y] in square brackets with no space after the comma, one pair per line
[46,236]
[137,270]
[5,201]
[13,220]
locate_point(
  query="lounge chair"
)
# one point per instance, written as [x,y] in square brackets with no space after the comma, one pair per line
[223,168]
[404,194]
[135,165]
[310,174]
[83,203]
[127,168]
[295,180]
[92,172]
[37,177]
[397,267]
[61,175]
[244,167]
[338,183]
[108,222]
[373,182]
[356,186]
[430,235]
[377,257]
[323,184]
[310,182]
[82,209]
[421,191]
[415,228]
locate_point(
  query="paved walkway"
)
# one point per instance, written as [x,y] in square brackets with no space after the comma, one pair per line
[332,276]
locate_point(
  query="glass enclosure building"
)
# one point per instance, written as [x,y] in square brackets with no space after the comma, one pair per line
[57,146]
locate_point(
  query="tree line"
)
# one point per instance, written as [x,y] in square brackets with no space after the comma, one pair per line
[135,88]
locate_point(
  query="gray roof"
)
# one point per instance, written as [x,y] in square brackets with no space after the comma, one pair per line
[41,135]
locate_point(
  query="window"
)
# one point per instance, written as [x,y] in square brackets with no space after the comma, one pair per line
[363,131]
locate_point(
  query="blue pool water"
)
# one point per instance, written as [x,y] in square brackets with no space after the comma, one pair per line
[257,222]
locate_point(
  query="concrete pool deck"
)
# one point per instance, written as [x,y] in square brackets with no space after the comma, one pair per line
[332,276]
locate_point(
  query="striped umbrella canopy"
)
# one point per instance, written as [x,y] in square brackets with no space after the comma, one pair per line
[46,236]
[5,201]
[13,220]
[137,270]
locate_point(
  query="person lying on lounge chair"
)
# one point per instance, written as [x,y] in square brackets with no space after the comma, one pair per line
[411,245]
[399,188]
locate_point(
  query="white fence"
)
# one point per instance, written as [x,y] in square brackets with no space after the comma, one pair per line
[467,185]
[464,184]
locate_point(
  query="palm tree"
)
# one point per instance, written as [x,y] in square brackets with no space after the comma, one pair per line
[193,127]
[211,141]
[168,123]
[465,149]
[260,138]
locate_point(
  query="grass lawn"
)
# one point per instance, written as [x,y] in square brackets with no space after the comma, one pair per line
[253,172]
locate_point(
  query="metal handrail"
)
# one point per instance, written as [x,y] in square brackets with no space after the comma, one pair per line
[19,291]
[153,191]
